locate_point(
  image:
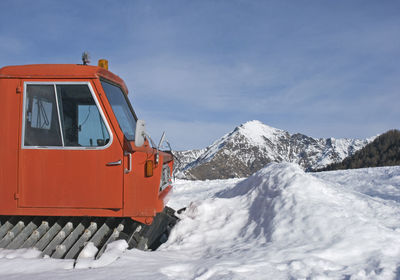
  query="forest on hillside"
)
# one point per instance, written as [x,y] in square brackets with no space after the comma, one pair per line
[383,151]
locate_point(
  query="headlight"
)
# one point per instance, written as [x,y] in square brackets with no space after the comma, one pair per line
[165,177]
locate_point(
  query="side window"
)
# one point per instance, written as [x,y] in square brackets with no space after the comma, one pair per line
[122,109]
[41,119]
[63,115]
[81,122]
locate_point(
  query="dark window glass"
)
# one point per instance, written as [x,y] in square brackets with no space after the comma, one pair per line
[42,127]
[81,121]
[122,109]
[77,115]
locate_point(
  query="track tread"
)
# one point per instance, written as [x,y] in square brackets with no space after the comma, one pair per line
[66,237]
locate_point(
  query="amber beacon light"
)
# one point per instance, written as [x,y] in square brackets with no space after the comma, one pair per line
[103,63]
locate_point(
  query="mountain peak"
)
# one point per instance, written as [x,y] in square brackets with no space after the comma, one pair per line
[253,144]
[253,122]
[257,132]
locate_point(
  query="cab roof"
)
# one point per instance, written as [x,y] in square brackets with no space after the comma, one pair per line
[59,71]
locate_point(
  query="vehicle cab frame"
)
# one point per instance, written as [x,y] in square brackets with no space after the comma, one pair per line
[68,146]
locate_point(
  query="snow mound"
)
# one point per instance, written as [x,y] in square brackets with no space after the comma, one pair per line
[288,223]
[113,251]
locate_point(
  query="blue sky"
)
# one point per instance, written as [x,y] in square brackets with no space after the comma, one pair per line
[199,68]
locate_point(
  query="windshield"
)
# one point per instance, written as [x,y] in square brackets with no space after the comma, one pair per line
[122,109]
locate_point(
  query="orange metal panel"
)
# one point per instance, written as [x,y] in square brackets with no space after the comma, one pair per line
[62,212]
[59,71]
[141,194]
[9,142]
[68,178]
[64,178]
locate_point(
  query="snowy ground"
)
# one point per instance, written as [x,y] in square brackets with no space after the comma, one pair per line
[280,223]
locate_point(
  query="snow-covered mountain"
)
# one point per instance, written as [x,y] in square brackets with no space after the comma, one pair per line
[252,145]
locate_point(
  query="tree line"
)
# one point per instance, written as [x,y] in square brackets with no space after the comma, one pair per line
[383,151]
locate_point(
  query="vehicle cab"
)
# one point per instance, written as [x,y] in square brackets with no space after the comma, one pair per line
[72,145]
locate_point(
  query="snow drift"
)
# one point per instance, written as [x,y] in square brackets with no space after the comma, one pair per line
[285,223]
[280,223]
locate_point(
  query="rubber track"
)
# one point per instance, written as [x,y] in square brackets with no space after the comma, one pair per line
[66,237]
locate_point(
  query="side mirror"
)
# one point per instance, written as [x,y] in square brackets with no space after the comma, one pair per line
[140,133]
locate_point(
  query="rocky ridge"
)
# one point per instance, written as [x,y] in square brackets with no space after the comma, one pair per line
[252,145]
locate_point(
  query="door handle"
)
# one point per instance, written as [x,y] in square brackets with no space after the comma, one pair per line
[114,163]
[129,169]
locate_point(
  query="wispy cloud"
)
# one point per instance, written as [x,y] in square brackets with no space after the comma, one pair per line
[322,68]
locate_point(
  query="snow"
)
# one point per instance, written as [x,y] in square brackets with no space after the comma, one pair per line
[111,254]
[280,223]
[256,132]
[253,143]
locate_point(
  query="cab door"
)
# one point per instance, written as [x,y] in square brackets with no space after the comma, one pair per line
[69,156]
[140,191]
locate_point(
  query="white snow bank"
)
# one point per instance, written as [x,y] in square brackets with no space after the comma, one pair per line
[286,223]
[24,262]
[380,182]
[186,191]
[113,251]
